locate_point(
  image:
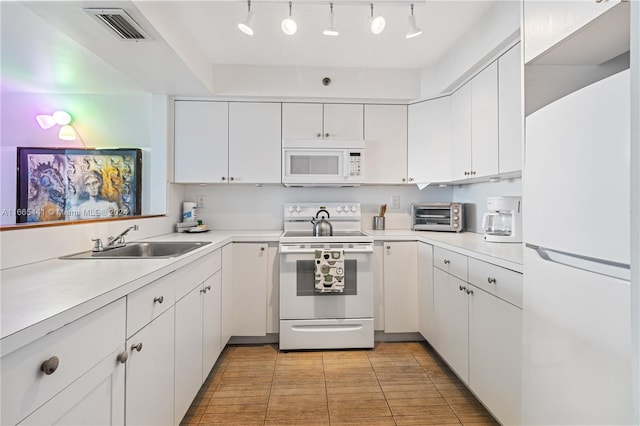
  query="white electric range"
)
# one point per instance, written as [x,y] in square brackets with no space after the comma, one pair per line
[309,317]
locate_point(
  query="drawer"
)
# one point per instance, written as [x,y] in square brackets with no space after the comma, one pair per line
[501,282]
[197,272]
[79,346]
[451,262]
[146,303]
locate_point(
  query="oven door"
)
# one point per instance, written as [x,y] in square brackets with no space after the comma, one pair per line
[298,297]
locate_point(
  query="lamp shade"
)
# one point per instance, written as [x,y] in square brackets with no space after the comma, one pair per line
[45,121]
[67,133]
[62,117]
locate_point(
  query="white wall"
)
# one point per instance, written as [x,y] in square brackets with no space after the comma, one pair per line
[232,207]
[499,27]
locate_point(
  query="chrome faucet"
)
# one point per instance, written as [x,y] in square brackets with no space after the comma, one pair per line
[113,242]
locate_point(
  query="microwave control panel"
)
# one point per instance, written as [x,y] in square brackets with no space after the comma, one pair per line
[355,164]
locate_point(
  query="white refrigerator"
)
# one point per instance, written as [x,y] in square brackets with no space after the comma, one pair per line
[576,295]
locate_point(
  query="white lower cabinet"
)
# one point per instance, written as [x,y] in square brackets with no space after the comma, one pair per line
[400,287]
[98,395]
[70,375]
[426,318]
[479,329]
[250,283]
[227,294]
[451,311]
[150,373]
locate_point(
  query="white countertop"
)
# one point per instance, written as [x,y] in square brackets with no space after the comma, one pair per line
[38,298]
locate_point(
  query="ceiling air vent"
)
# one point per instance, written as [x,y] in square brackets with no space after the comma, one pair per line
[119,21]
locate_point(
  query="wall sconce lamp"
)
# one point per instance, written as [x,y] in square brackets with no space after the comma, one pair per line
[61,118]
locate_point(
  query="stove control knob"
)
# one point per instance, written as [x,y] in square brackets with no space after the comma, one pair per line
[339,209]
[298,209]
[455,210]
[354,209]
[346,209]
[291,209]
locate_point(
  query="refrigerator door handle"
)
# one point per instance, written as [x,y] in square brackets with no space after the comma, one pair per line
[599,266]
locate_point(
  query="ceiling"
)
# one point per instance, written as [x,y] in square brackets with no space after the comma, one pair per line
[189,39]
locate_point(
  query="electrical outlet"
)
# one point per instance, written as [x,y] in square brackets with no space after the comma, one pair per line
[200,202]
[395,201]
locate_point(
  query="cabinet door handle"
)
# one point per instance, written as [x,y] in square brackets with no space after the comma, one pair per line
[223,178]
[410,179]
[491,280]
[231,178]
[204,290]
[462,288]
[158,299]
[123,357]
[318,135]
[404,179]
[326,135]
[469,291]
[388,247]
[446,261]
[137,347]
[261,248]
[208,287]
[50,366]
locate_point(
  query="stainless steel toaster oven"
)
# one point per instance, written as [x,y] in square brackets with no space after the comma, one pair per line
[437,217]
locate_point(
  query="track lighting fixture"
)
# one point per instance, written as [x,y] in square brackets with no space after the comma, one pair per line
[246,26]
[376,23]
[289,25]
[413,28]
[61,118]
[331,29]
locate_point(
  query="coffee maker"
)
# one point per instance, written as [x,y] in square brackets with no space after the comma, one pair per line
[503,222]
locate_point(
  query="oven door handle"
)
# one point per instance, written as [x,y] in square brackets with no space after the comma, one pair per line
[287,250]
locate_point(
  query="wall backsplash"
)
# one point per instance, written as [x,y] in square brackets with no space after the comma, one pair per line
[249,207]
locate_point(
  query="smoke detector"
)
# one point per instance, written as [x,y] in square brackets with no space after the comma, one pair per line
[119,22]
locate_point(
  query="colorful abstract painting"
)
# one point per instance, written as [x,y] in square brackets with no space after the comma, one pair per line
[77,184]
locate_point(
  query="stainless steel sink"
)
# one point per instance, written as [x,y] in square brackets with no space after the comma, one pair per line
[143,250]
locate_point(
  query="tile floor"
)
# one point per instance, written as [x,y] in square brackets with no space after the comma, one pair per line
[392,384]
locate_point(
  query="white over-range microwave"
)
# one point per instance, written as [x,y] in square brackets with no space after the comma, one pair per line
[322,162]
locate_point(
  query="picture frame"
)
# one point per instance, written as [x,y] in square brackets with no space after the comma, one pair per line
[63,184]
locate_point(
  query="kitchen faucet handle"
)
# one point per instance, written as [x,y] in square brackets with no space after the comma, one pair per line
[97,246]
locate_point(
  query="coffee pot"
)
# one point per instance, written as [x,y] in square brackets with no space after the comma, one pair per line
[322,227]
[503,222]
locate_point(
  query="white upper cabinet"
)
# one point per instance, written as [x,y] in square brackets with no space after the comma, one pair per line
[385,133]
[461,133]
[220,142]
[429,141]
[254,142]
[575,32]
[322,121]
[475,126]
[201,136]
[510,111]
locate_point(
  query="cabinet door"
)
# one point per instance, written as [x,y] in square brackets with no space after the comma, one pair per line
[250,275]
[400,287]
[426,320]
[451,313]
[96,398]
[301,121]
[495,342]
[343,121]
[461,133]
[212,326]
[510,111]
[188,350]
[547,23]
[150,379]
[484,122]
[227,293]
[201,138]
[429,145]
[385,134]
[254,142]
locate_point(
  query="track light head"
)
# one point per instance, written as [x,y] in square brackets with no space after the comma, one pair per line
[289,25]
[376,23]
[413,28]
[331,28]
[246,26]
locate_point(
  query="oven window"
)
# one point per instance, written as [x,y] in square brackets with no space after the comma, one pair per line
[314,164]
[306,279]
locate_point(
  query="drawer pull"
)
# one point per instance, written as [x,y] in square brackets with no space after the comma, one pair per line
[469,291]
[446,261]
[491,280]
[159,299]
[50,366]
[123,357]
[137,347]
[462,288]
